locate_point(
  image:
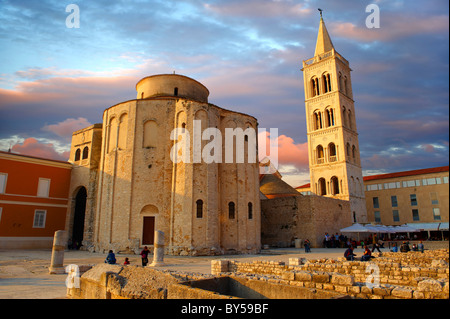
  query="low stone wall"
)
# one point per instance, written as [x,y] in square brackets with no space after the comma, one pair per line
[400,275]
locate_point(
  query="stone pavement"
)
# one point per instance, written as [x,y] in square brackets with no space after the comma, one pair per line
[24,273]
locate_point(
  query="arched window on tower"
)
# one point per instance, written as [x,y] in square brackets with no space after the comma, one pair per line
[332,152]
[350,120]
[345,86]
[77,155]
[354,152]
[322,187]
[250,210]
[344,117]
[85,152]
[319,151]
[347,150]
[334,185]
[175,91]
[341,83]
[317,118]
[329,112]
[315,86]
[326,82]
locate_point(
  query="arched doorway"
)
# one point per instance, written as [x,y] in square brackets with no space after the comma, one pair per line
[78,218]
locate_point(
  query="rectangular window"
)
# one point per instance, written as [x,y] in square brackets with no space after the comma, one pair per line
[413,199]
[376,203]
[411,183]
[3,178]
[434,198]
[39,218]
[445,178]
[429,181]
[436,214]
[373,187]
[377,216]
[415,214]
[396,215]
[43,187]
[394,201]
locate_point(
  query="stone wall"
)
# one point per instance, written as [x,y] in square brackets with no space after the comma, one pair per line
[305,217]
[404,276]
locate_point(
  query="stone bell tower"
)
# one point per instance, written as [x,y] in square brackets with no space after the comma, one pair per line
[334,160]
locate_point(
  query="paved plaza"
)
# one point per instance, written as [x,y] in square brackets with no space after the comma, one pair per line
[24,273]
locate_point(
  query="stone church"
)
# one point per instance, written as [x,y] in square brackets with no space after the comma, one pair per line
[125,185]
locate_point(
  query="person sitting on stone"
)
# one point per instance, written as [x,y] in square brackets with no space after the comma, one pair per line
[367,254]
[349,253]
[404,248]
[111,258]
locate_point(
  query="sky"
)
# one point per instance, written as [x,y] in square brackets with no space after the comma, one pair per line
[248,53]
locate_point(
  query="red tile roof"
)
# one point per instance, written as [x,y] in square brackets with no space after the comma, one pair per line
[397,174]
[407,173]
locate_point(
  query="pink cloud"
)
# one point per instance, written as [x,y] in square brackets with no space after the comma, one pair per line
[259,8]
[392,27]
[288,151]
[33,147]
[67,127]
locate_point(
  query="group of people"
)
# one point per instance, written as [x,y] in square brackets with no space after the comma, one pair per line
[404,247]
[111,258]
[367,254]
[334,241]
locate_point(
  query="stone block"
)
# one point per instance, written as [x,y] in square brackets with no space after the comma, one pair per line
[342,289]
[321,277]
[302,276]
[418,295]
[288,276]
[343,280]
[402,292]
[380,291]
[430,285]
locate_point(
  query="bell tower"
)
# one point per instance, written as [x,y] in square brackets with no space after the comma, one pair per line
[333,148]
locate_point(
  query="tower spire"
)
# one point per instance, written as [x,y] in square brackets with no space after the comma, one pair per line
[323,43]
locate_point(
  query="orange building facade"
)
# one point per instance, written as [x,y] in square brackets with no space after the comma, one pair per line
[33,200]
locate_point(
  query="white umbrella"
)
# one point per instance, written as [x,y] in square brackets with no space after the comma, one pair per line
[405,229]
[356,228]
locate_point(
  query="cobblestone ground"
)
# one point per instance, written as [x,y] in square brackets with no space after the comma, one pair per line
[24,273]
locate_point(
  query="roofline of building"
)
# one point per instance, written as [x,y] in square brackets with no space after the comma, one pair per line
[422,171]
[34,159]
[408,173]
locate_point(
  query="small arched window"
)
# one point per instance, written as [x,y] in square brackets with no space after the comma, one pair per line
[334,185]
[320,159]
[77,155]
[317,118]
[353,151]
[85,152]
[329,117]
[231,210]
[332,152]
[250,211]
[322,187]
[199,208]
[175,91]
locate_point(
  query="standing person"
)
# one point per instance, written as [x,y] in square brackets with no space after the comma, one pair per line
[420,247]
[111,258]
[127,261]
[144,256]
[307,246]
